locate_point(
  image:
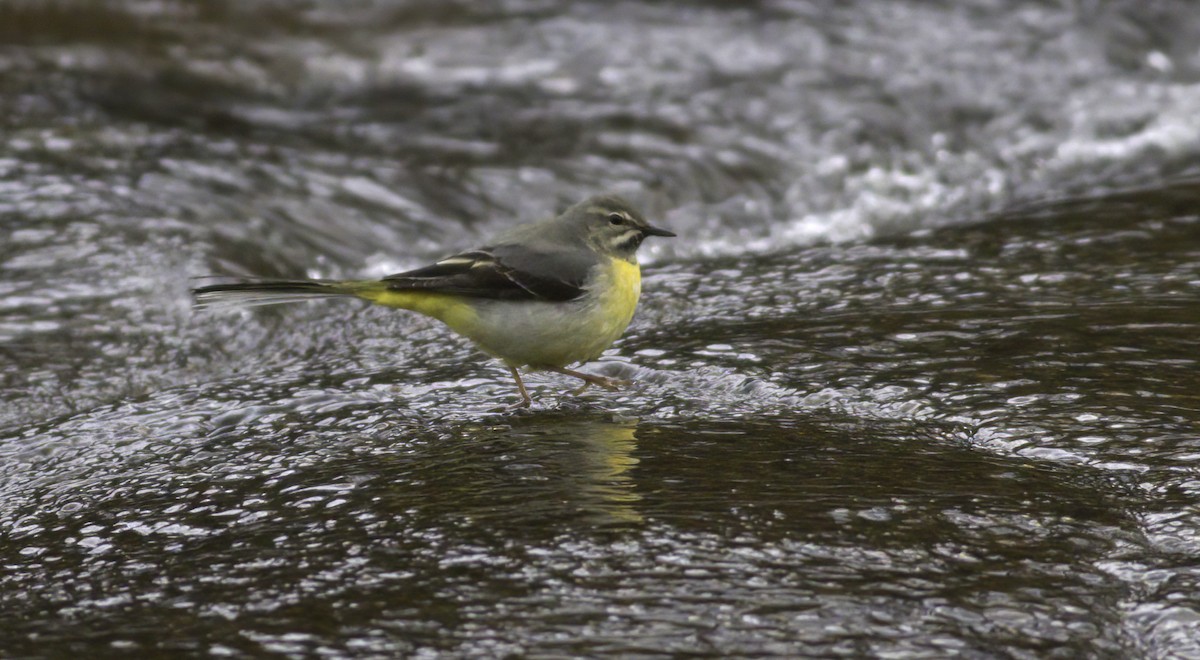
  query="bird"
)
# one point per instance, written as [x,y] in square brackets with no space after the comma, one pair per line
[543,296]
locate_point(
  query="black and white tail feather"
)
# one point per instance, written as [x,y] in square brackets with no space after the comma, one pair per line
[264,292]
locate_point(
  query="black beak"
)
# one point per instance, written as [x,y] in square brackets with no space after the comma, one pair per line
[655,231]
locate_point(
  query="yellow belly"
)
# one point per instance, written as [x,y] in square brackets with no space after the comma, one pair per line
[536,333]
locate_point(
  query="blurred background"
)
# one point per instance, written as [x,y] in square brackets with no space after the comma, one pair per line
[918,378]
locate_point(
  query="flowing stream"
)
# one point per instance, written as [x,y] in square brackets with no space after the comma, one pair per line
[918,378]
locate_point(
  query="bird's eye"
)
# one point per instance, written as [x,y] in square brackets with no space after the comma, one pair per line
[616,219]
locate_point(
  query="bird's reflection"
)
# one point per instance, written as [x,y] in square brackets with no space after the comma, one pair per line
[605,461]
[593,459]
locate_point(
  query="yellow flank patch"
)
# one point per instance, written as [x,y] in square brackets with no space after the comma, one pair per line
[447,308]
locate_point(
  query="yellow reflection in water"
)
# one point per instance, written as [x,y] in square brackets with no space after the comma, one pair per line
[605,460]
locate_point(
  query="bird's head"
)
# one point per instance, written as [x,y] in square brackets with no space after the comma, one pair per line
[613,226]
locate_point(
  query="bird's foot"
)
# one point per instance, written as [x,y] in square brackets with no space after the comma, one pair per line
[525,401]
[605,382]
[520,405]
[610,384]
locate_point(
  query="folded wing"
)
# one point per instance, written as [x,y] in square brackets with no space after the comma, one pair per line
[504,272]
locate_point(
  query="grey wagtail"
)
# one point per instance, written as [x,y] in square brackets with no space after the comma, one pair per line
[543,295]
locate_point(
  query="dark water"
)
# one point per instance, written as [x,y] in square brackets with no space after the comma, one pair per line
[919,379]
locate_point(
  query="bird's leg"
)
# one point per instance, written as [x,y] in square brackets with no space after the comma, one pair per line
[610,384]
[525,400]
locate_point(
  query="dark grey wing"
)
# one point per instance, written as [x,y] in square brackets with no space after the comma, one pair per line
[504,272]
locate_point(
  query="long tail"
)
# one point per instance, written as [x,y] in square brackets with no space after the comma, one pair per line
[448,308]
[270,292]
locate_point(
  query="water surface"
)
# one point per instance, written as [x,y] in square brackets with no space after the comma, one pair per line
[917,379]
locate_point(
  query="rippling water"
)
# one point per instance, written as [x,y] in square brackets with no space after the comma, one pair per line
[919,378]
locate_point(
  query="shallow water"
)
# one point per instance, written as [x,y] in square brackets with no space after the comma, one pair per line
[918,379]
